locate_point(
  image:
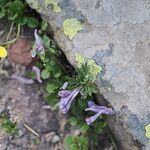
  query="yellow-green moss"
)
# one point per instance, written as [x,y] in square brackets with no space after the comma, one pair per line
[71,27]
[54,4]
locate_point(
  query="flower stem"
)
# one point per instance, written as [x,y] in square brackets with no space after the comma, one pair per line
[12,41]
[10,31]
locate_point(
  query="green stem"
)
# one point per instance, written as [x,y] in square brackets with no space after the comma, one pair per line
[12,41]
[10,31]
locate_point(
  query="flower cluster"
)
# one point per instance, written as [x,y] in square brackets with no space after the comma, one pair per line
[99,110]
[67,97]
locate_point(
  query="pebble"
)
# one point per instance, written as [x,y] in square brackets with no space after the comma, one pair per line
[20,133]
[2,105]
[49,136]
[55,139]
[77,132]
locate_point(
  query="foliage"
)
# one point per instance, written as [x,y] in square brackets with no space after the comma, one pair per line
[50,69]
[7,125]
[76,142]
[86,71]
[71,27]
[35,141]
[17,11]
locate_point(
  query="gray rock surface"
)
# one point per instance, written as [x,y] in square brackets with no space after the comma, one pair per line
[116,33]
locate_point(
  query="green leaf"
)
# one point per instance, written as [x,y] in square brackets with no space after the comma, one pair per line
[51,87]
[45,74]
[84,128]
[32,22]
[99,127]
[74,147]
[2,12]
[73,121]
[3,3]
[13,17]
[52,99]
[52,50]
[22,21]
[68,140]
[57,75]
[46,41]
[44,25]
[82,103]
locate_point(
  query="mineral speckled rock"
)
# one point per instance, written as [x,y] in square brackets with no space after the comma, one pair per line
[27,107]
[116,33]
[19,52]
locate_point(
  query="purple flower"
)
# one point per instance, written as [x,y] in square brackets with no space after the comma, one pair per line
[38,73]
[67,98]
[98,110]
[38,45]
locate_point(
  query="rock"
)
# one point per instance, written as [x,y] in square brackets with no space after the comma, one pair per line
[109,148]
[55,139]
[77,132]
[22,142]
[49,136]
[20,133]
[27,107]
[19,52]
[116,34]
[2,105]
[3,147]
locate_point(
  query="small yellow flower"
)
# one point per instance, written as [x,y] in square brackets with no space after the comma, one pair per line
[3,52]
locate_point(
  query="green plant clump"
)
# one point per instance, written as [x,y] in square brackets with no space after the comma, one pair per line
[7,125]
[17,12]
[82,78]
[76,142]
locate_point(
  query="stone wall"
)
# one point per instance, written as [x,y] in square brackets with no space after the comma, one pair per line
[116,33]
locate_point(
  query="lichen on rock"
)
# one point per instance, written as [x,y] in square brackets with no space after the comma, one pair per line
[147,129]
[54,4]
[71,27]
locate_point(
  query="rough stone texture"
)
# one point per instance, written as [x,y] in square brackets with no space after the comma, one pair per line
[116,33]
[19,52]
[24,104]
